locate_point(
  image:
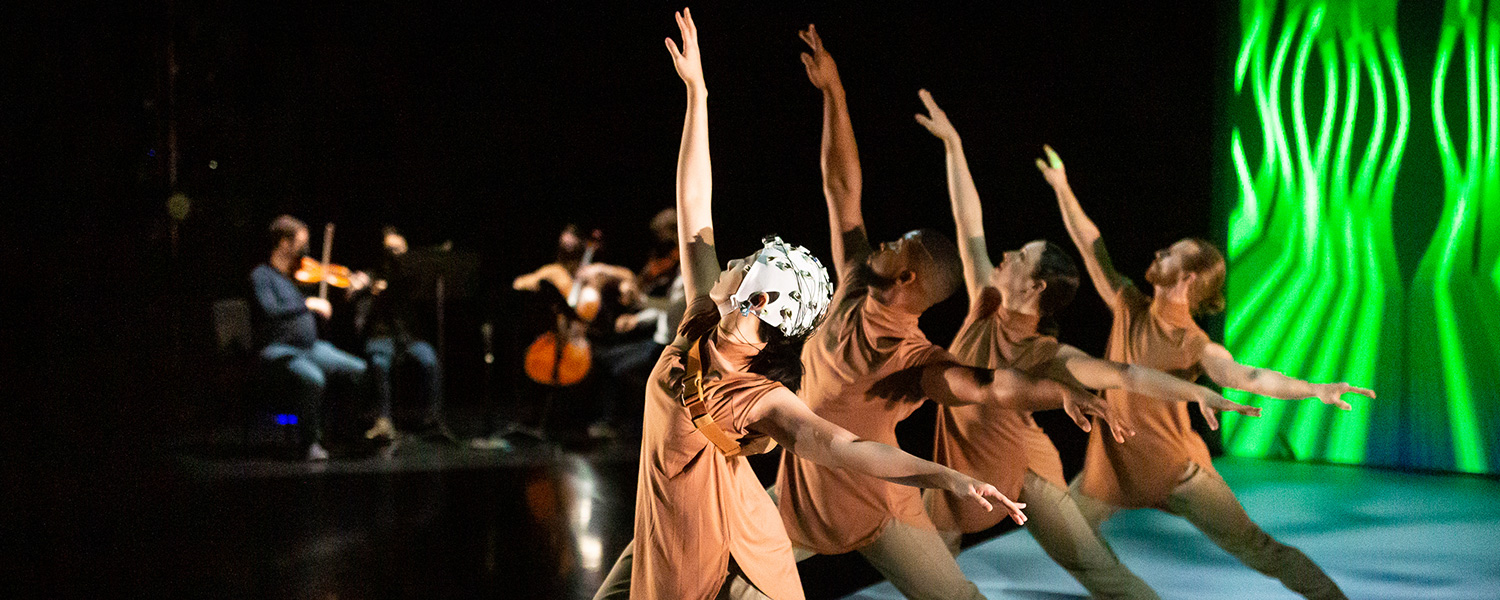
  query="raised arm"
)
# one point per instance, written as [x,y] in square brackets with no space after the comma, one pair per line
[695,184]
[842,180]
[967,214]
[1221,367]
[793,425]
[957,385]
[1083,231]
[1072,364]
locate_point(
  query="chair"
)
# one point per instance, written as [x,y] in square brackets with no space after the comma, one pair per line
[240,373]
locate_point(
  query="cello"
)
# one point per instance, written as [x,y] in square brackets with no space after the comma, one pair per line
[563,357]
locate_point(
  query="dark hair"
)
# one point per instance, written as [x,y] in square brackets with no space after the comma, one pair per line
[945,271]
[781,359]
[1206,296]
[1058,270]
[565,255]
[283,227]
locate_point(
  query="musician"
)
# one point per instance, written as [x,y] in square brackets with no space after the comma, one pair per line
[561,270]
[286,331]
[588,295]
[391,341]
[660,304]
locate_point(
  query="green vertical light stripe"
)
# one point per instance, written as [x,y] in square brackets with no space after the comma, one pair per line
[1302,277]
[1447,265]
[1346,437]
[1245,218]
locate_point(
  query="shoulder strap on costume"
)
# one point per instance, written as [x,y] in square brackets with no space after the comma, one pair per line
[693,397]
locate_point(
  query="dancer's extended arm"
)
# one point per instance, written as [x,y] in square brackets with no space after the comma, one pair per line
[967,214]
[695,225]
[1083,231]
[1221,367]
[957,385]
[1072,364]
[792,424]
[842,180]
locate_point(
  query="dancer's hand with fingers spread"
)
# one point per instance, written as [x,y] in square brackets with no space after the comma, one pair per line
[936,121]
[821,69]
[1052,168]
[1330,393]
[1209,403]
[986,495]
[1079,405]
[687,60]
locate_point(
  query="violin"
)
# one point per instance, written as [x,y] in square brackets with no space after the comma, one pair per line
[323,272]
[313,271]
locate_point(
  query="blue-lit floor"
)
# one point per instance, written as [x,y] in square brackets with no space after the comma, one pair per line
[1379,534]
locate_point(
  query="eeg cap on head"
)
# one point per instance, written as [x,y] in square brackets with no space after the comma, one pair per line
[796,285]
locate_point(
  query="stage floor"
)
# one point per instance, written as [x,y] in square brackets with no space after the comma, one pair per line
[1379,534]
[447,520]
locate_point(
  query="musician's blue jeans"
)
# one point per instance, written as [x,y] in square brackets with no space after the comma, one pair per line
[387,355]
[311,371]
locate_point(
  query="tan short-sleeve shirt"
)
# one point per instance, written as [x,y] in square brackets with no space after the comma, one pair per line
[988,442]
[1141,472]
[695,509]
[861,372]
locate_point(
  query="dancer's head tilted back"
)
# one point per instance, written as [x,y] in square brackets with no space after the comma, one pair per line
[916,270]
[1039,277]
[1194,266]
[776,297]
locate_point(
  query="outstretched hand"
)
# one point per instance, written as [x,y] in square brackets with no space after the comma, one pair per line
[688,62]
[936,121]
[1209,403]
[820,67]
[1330,393]
[1079,405]
[984,494]
[1052,168]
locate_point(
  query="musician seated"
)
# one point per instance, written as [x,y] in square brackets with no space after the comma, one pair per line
[286,331]
[655,304]
[392,342]
[587,297]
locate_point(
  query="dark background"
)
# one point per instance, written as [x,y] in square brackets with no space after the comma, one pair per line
[492,125]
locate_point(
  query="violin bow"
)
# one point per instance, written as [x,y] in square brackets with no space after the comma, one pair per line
[327,253]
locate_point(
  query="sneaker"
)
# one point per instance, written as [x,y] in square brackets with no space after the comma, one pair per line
[490,443]
[383,429]
[315,453]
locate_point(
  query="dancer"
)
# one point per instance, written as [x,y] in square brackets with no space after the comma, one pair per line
[703,525]
[870,366]
[1006,304]
[1167,466]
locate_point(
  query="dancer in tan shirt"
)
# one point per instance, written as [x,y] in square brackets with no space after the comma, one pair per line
[870,366]
[1167,465]
[704,527]
[1006,305]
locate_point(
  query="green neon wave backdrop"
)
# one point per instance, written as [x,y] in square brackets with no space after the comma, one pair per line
[1316,288]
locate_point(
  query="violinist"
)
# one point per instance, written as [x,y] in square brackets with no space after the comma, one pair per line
[384,297]
[286,331]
